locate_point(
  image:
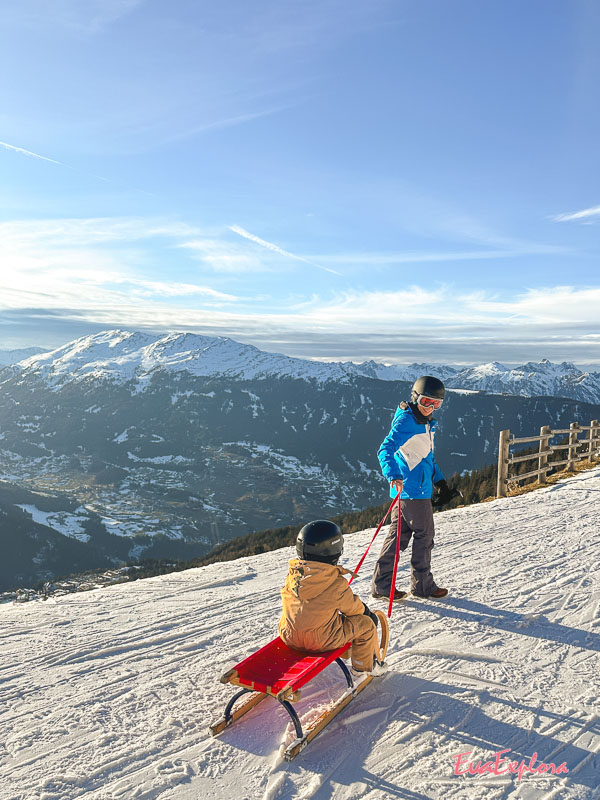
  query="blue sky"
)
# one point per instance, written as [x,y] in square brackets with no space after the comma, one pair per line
[403,181]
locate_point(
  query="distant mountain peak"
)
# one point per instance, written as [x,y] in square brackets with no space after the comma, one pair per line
[541,378]
[8,357]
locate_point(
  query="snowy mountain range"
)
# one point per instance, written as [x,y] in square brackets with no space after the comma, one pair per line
[109,693]
[531,380]
[122,356]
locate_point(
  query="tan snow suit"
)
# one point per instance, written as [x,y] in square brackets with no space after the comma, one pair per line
[321,612]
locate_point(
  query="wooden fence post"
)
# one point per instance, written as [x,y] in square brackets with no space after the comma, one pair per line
[594,430]
[574,427]
[503,446]
[543,457]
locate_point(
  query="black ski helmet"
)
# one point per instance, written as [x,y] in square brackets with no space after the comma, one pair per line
[320,540]
[429,386]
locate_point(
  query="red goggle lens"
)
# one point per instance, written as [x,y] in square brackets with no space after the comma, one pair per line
[429,402]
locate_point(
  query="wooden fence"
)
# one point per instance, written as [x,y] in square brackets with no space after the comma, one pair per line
[590,446]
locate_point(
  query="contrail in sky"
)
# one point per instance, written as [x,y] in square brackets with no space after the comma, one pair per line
[29,153]
[276,249]
[68,166]
[587,213]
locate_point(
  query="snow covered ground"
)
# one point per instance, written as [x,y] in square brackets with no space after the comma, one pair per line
[108,694]
[62,521]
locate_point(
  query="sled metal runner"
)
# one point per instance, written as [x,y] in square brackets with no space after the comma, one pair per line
[280,672]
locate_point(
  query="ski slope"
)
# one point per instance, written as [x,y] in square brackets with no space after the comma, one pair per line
[108,694]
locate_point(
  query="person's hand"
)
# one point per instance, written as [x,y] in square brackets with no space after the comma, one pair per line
[443,494]
[397,485]
[368,613]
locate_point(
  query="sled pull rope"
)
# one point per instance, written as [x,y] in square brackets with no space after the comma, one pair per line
[359,565]
[393,588]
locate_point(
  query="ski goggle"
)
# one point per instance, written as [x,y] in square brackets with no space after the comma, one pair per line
[429,402]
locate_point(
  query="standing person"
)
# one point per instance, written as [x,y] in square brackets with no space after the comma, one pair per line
[407,461]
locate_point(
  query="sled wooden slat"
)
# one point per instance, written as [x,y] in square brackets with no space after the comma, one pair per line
[384,638]
[324,719]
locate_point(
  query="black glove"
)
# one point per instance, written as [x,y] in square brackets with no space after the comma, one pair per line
[443,494]
[368,613]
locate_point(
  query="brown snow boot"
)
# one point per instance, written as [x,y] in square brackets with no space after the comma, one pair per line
[398,595]
[439,593]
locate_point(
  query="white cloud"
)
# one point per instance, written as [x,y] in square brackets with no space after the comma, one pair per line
[164,289]
[224,256]
[417,310]
[415,257]
[93,239]
[72,232]
[89,264]
[588,214]
[559,305]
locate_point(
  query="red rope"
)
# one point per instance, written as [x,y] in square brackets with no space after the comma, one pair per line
[393,589]
[359,565]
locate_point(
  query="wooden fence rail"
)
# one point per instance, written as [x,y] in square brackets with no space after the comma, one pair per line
[590,448]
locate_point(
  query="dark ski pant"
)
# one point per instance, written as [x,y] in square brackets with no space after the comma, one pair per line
[417,522]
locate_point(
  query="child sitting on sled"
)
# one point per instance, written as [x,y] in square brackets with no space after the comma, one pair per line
[320,611]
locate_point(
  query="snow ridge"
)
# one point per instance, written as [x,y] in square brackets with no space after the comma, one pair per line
[531,379]
[121,356]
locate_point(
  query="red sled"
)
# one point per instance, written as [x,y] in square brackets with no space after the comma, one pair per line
[280,672]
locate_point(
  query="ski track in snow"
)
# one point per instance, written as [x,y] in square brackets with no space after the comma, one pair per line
[107,695]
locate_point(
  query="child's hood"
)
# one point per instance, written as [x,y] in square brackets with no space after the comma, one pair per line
[312,577]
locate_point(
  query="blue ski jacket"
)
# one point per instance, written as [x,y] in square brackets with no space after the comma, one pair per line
[407,453]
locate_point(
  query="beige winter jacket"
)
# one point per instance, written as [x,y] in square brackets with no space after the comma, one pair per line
[313,597]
